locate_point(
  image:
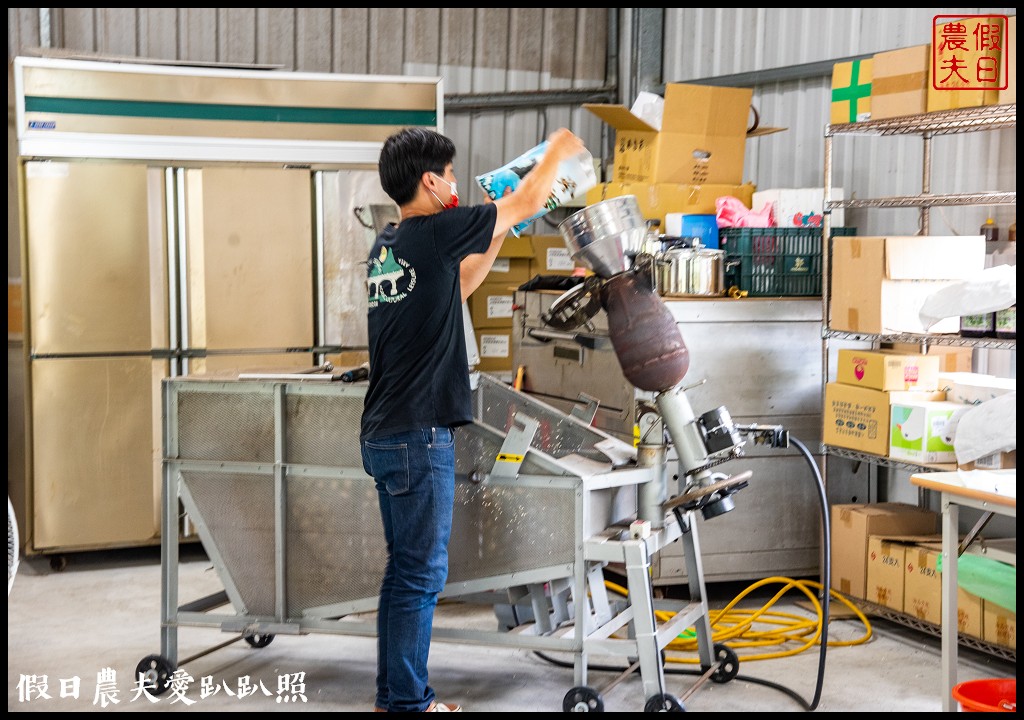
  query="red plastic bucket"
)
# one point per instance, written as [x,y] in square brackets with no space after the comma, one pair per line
[995,695]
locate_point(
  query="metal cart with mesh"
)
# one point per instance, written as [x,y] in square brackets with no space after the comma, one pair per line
[270,476]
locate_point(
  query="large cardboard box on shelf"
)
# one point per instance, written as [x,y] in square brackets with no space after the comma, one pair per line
[899,85]
[887,370]
[879,284]
[918,431]
[954,69]
[656,200]
[494,346]
[852,525]
[702,138]
[922,593]
[858,418]
[490,305]
[851,91]
[551,256]
[1000,625]
[512,263]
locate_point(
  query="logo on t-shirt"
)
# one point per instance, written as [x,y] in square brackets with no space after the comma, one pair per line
[390,279]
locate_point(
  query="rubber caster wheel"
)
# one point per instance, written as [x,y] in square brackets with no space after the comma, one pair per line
[664,703]
[728,664]
[582,699]
[259,640]
[156,673]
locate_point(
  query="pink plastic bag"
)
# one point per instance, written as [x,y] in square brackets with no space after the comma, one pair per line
[731,212]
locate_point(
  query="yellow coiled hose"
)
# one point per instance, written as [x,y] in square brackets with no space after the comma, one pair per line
[761,627]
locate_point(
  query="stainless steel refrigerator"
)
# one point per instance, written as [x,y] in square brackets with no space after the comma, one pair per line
[139,273]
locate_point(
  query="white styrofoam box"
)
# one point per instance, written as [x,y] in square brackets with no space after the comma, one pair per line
[798,207]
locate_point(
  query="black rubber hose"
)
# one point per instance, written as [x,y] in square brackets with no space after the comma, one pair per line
[826,575]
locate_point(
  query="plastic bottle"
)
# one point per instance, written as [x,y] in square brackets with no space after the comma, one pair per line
[1006,320]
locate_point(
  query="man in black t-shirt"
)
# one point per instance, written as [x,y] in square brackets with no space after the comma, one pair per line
[420,272]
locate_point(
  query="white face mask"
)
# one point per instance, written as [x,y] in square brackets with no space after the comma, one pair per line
[454,202]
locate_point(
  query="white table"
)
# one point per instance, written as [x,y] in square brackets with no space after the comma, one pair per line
[955,494]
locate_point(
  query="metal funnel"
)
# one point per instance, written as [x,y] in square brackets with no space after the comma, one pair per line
[600,236]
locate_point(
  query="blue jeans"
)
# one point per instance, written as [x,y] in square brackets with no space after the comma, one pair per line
[414,473]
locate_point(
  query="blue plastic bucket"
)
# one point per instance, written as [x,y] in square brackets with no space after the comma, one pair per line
[704,227]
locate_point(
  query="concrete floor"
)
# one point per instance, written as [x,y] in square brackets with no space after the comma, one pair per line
[101,614]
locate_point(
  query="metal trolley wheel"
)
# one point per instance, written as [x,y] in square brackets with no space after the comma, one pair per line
[156,673]
[259,640]
[664,702]
[728,664]
[582,699]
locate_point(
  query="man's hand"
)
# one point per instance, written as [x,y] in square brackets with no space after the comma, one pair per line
[563,143]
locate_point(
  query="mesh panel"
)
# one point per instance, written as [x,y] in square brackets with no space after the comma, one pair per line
[238,511]
[323,430]
[557,435]
[225,426]
[500,529]
[336,550]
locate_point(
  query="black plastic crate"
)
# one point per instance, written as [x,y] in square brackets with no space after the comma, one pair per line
[775,261]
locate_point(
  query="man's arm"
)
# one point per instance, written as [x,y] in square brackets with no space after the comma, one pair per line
[527,200]
[474,268]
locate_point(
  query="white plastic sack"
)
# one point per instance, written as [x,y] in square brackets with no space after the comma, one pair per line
[990,290]
[575,176]
[987,428]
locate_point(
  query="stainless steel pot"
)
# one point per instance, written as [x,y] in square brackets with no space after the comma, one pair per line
[691,272]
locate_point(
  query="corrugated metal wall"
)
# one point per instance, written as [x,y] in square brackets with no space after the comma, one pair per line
[474,50]
[703,43]
[494,51]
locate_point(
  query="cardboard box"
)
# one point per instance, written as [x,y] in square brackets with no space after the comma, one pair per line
[490,306]
[918,431]
[851,91]
[702,138]
[951,358]
[853,524]
[657,200]
[970,614]
[887,370]
[997,461]
[974,388]
[1009,95]
[899,83]
[798,207]
[922,591]
[858,418]
[885,581]
[879,284]
[495,349]
[512,264]
[551,256]
[922,584]
[999,625]
[945,86]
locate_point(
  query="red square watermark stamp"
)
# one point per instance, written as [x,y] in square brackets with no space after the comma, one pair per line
[968,52]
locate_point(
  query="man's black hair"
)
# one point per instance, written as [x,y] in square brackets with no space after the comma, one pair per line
[408,154]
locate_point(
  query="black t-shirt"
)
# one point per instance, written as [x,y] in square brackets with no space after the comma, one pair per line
[419,372]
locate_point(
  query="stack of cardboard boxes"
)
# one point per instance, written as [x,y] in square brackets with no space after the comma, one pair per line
[903,82]
[874,387]
[887,554]
[492,305]
[695,157]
